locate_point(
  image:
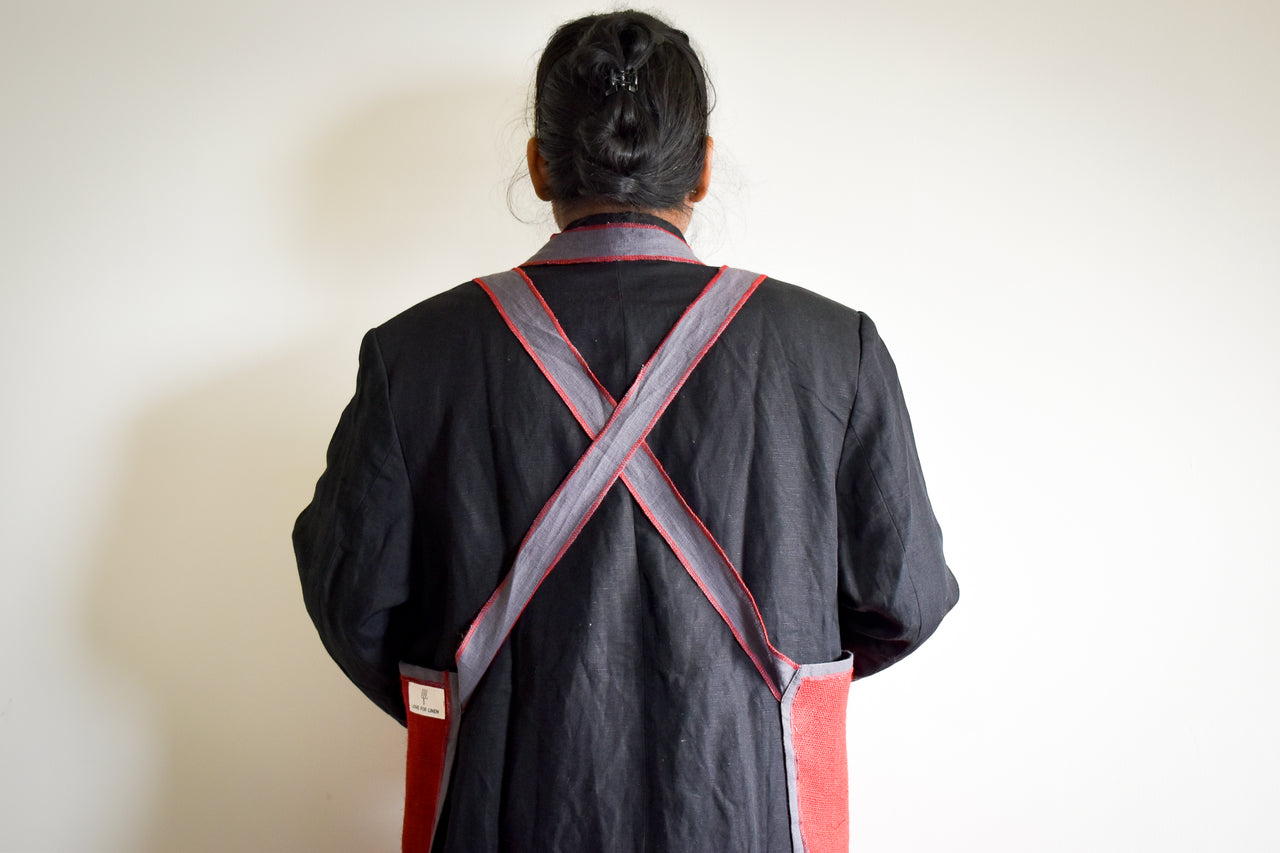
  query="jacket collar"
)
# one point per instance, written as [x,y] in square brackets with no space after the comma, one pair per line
[625,216]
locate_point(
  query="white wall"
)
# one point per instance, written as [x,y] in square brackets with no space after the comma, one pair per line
[1063,217]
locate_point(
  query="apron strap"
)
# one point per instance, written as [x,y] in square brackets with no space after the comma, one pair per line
[618,449]
[621,242]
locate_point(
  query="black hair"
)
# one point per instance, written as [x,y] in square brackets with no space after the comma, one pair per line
[621,111]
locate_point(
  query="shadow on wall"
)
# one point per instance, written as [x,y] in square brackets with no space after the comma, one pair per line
[265,746]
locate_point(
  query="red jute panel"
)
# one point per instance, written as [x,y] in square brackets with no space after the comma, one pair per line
[424,767]
[822,764]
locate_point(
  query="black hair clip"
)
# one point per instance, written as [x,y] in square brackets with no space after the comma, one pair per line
[628,79]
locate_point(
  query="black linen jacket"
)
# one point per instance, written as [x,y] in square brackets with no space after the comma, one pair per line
[621,714]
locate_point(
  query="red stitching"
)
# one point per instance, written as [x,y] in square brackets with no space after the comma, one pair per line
[693,363]
[554,561]
[537,522]
[697,579]
[603,226]
[644,506]
[546,506]
[736,574]
[670,484]
[555,321]
[602,259]
[680,497]
[619,471]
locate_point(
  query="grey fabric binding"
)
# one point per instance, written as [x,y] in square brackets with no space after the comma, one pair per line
[629,242]
[618,433]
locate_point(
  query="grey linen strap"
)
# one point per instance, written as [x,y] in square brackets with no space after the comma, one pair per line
[618,449]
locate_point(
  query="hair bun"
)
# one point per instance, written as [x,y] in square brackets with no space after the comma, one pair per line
[645,149]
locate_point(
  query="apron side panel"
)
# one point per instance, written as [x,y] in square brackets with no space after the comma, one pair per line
[813,732]
[431,711]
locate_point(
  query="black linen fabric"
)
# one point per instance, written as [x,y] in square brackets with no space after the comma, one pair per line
[621,714]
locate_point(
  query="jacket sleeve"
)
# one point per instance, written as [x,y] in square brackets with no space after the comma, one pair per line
[895,586]
[353,541]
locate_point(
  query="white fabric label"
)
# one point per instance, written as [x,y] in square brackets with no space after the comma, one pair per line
[426,700]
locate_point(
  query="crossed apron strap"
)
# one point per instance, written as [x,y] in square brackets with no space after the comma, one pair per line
[618,449]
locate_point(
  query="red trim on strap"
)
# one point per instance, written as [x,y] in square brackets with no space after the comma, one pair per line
[697,579]
[603,226]
[715,542]
[601,259]
[619,472]
[546,506]
[528,347]
[635,494]
[555,321]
